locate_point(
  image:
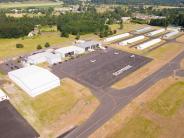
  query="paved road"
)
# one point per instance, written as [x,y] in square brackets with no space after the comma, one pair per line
[113,101]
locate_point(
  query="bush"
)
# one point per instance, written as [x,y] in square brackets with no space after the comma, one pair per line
[39,47]
[47,45]
[63,34]
[77,36]
[19,45]
[115,31]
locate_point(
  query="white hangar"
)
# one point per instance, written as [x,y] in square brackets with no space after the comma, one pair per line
[69,51]
[49,57]
[34,80]
[89,45]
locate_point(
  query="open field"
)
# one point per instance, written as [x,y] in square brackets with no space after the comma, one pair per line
[8,46]
[31,4]
[65,106]
[161,55]
[165,51]
[48,28]
[106,7]
[170,100]
[138,127]
[127,27]
[126,122]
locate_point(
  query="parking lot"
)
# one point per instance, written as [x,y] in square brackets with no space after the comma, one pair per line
[101,68]
[12,125]
[9,66]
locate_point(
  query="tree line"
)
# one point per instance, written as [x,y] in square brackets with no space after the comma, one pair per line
[11,27]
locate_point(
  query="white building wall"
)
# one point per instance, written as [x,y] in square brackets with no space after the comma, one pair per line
[37,58]
[53,58]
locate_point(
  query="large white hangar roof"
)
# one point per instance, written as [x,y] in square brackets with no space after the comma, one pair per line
[34,80]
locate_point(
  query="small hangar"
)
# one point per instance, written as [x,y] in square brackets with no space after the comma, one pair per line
[38,58]
[69,51]
[89,45]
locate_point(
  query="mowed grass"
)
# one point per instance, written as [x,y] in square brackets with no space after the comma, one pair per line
[51,105]
[137,127]
[169,101]
[8,46]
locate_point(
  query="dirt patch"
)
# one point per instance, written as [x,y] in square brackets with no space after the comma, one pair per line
[180,39]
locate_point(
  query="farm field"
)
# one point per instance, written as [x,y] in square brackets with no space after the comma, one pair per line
[65,106]
[31,4]
[158,112]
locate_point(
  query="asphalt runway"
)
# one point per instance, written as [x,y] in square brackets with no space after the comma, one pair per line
[12,124]
[101,68]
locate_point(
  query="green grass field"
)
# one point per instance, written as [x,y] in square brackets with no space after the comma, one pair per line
[8,46]
[169,101]
[48,28]
[137,127]
[127,27]
[31,4]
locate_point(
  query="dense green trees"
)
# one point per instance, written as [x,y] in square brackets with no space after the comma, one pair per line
[74,23]
[11,27]
[159,22]
[173,17]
